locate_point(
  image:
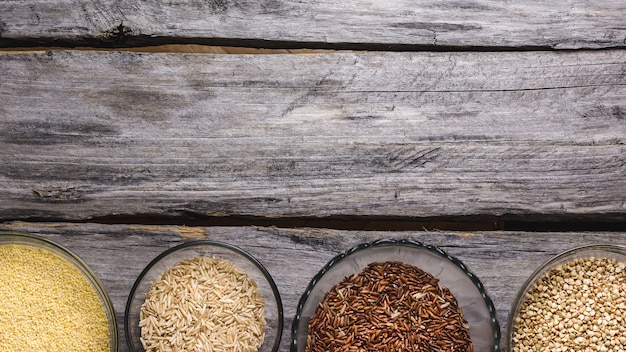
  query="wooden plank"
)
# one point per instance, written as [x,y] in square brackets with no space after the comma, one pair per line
[94,134]
[118,254]
[320,24]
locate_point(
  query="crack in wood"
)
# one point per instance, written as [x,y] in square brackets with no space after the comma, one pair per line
[118,34]
[59,194]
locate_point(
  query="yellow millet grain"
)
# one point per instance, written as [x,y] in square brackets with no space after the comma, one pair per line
[46,304]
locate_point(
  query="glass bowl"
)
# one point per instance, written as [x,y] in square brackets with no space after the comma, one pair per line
[48,273]
[600,251]
[211,249]
[469,292]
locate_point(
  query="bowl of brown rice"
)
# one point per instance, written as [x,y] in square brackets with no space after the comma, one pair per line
[50,300]
[395,295]
[204,296]
[575,301]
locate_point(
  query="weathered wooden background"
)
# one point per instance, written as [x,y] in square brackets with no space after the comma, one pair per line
[395,112]
[570,24]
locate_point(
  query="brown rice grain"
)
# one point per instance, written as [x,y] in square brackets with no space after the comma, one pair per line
[203,304]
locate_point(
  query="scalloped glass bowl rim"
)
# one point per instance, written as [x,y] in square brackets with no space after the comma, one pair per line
[28,239]
[207,243]
[408,243]
[586,251]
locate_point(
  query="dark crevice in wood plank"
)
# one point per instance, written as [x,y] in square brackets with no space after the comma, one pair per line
[570,226]
[536,223]
[372,223]
[122,41]
[172,48]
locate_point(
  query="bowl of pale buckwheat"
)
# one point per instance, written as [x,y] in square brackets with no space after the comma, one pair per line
[204,296]
[575,301]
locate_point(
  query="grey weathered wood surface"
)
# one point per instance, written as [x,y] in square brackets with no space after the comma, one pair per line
[118,254]
[480,23]
[532,133]
[92,134]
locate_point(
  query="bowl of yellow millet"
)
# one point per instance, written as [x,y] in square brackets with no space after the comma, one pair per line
[50,300]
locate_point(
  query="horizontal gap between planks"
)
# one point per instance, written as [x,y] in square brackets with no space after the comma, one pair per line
[171,48]
[614,223]
[237,46]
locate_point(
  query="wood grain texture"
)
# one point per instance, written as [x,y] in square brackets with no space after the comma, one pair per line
[118,254]
[479,23]
[93,134]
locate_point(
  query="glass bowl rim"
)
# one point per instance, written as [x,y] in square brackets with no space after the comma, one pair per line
[393,242]
[82,266]
[544,268]
[196,243]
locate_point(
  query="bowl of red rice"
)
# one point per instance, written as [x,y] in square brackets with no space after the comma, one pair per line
[395,295]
